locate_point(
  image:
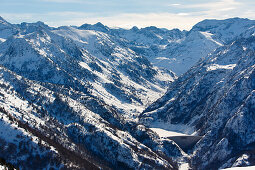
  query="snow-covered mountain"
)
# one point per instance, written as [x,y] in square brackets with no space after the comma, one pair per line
[185,49]
[176,50]
[215,100]
[46,125]
[67,96]
[149,42]
[85,60]
[71,97]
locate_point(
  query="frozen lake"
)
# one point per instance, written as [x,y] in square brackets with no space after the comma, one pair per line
[184,141]
[166,133]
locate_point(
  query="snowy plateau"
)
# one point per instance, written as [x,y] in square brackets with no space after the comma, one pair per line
[94,97]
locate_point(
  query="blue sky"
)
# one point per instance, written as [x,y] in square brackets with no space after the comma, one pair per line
[170,14]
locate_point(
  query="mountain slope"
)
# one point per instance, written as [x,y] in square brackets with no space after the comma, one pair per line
[214,99]
[85,59]
[6,29]
[72,101]
[64,129]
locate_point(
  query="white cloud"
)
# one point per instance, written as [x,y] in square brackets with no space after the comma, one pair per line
[174,4]
[183,14]
[126,20]
[216,5]
[163,20]
[216,9]
[194,13]
[220,9]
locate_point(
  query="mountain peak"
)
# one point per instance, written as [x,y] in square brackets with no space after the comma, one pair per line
[99,24]
[38,23]
[32,27]
[3,21]
[97,27]
[5,25]
[134,28]
[209,24]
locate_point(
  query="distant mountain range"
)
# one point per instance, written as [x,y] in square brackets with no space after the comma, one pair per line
[85,97]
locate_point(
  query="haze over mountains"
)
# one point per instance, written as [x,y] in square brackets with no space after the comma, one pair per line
[85,97]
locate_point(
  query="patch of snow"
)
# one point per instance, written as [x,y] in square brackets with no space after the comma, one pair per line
[217,66]
[165,58]
[184,166]
[2,167]
[2,40]
[164,77]
[209,37]
[85,65]
[242,160]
